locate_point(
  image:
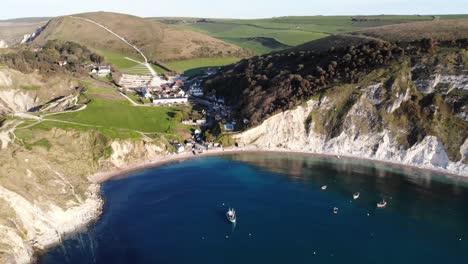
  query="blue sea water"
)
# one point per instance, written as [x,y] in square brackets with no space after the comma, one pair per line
[176,214]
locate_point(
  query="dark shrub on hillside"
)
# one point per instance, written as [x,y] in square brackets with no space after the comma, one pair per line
[46,59]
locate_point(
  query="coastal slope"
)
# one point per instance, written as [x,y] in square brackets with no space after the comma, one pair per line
[360,94]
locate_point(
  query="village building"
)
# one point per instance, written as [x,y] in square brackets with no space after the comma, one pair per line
[188,122]
[229,127]
[196,91]
[201,121]
[170,100]
[179,147]
[103,71]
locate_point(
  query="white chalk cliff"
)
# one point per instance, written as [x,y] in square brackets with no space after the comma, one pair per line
[289,131]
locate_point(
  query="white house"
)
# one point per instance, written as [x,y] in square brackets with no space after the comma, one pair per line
[103,71]
[179,147]
[170,100]
[201,121]
[196,91]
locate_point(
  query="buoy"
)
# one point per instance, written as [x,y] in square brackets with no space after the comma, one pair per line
[250,234]
[227,236]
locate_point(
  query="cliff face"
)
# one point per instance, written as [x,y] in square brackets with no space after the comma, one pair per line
[45,191]
[20,93]
[368,128]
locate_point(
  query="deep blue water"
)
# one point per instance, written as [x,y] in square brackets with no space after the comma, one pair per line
[175,214]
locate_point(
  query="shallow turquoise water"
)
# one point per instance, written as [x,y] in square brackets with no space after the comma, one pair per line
[175,214]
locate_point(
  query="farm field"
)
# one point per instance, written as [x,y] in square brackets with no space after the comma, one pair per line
[125,65]
[271,34]
[195,66]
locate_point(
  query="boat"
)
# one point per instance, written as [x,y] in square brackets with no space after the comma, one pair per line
[335,210]
[356,195]
[231,215]
[382,204]
[324,187]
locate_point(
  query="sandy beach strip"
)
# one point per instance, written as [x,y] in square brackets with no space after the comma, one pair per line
[171,158]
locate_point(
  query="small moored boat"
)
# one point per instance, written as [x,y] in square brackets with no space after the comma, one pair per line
[335,210]
[382,204]
[231,215]
[324,187]
[356,195]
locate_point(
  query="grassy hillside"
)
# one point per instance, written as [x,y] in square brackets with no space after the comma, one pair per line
[158,41]
[289,31]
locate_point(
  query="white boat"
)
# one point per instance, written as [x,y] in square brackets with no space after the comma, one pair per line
[231,215]
[335,210]
[324,187]
[382,204]
[356,195]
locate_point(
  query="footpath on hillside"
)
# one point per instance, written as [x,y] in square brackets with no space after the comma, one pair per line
[146,63]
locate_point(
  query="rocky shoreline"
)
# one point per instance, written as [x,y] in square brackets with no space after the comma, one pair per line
[61,224]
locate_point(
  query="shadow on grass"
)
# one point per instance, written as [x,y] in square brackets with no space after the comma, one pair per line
[197,71]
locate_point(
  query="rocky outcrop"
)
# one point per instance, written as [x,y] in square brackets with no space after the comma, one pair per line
[14,101]
[3,44]
[125,153]
[449,82]
[291,130]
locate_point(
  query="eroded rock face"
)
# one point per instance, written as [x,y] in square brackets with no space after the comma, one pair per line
[360,136]
[16,101]
[448,82]
[125,153]
[20,93]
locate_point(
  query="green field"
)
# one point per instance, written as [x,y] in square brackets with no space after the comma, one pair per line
[122,115]
[195,66]
[290,31]
[158,69]
[111,114]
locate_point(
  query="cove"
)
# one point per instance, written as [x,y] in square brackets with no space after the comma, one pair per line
[176,214]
